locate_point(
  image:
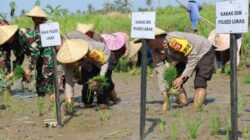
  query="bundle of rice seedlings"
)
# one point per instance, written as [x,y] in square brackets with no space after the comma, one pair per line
[170,74]
[123,65]
[18,73]
[97,83]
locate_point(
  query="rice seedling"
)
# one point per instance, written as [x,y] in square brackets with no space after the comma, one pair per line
[175,113]
[123,65]
[242,101]
[247,79]
[170,75]
[173,131]
[214,124]
[181,119]
[82,119]
[193,128]
[162,125]
[54,110]
[104,114]
[39,105]
[227,69]
[200,107]
[18,73]
[218,71]
[246,134]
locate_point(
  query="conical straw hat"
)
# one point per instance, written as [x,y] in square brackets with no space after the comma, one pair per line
[133,48]
[114,41]
[37,12]
[220,41]
[84,28]
[72,50]
[6,32]
[158,31]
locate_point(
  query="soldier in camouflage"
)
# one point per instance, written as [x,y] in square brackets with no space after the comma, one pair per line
[39,58]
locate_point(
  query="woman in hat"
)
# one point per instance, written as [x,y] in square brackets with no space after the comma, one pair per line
[38,16]
[198,54]
[118,44]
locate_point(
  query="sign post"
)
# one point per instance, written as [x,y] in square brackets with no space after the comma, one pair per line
[143,27]
[232,17]
[50,36]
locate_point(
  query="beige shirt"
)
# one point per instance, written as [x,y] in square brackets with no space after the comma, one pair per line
[93,45]
[200,47]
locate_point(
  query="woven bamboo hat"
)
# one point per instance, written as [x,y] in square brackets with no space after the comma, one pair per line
[220,41]
[133,48]
[84,28]
[6,32]
[37,12]
[158,31]
[72,50]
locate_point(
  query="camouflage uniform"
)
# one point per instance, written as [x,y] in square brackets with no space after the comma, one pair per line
[28,43]
[5,59]
[40,59]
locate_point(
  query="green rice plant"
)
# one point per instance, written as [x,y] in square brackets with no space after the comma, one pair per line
[97,84]
[18,73]
[162,125]
[227,69]
[123,65]
[54,110]
[193,128]
[218,71]
[247,79]
[82,119]
[170,74]
[214,124]
[181,119]
[7,99]
[242,102]
[246,133]
[200,107]
[175,113]
[39,105]
[104,114]
[173,131]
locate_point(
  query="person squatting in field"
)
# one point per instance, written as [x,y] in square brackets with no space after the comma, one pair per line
[197,53]
[84,67]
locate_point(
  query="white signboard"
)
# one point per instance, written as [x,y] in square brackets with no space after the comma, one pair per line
[143,25]
[50,34]
[232,16]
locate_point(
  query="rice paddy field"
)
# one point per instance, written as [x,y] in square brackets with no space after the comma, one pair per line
[26,116]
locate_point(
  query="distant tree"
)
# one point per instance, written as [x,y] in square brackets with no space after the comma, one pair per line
[91,9]
[149,4]
[107,6]
[3,15]
[78,12]
[37,3]
[12,8]
[22,12]
[55,12]
[122,5]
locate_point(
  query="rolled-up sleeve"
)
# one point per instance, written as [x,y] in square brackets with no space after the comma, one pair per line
[192,61]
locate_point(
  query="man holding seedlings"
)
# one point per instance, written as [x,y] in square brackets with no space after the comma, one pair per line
[193,50]
[39,58]
[85,68]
